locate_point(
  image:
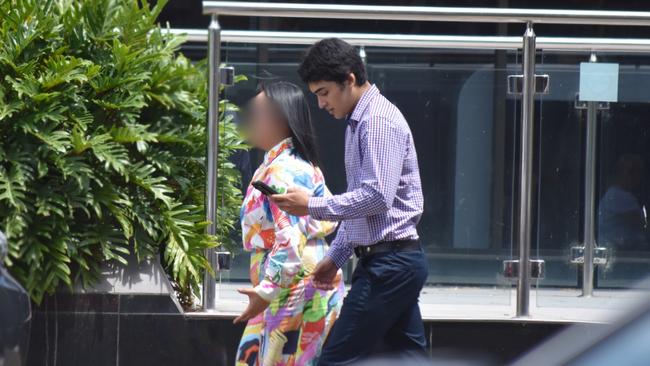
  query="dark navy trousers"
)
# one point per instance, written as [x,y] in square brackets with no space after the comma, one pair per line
[380,312]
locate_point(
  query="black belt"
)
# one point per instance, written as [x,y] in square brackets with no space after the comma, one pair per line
[387,246]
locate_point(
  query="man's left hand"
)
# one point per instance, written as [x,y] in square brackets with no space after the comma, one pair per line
[324,274]
[294,202]
[256,305]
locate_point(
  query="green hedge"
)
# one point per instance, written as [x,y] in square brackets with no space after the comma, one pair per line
[102,144]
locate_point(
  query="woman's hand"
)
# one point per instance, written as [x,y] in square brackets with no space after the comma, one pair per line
[256,305]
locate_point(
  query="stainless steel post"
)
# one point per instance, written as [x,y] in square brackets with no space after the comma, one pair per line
[214,59]
[590,197]
[526,171]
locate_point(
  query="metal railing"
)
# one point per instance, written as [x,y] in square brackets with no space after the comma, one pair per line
[423,41]
[426,14]
[529,45]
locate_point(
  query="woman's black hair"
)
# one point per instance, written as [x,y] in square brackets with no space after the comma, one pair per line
[332,59]
[292,105]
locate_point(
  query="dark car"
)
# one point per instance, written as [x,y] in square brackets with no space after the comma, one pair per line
[15,315]
[624,342]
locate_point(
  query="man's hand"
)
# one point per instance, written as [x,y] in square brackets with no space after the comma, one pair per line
[324,275]
[256,305]
[294,202]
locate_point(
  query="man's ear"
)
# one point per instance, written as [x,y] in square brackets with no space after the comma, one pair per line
[351,79]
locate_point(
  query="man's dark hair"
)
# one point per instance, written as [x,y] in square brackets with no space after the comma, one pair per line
[332,59]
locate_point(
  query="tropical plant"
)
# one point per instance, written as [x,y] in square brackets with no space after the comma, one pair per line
[102,144]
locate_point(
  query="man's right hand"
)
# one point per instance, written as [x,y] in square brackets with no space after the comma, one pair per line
[324,275]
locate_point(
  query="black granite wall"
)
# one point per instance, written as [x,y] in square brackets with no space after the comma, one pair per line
[106,329]
[141,330]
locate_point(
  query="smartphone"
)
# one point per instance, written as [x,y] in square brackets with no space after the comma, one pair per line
[264,188]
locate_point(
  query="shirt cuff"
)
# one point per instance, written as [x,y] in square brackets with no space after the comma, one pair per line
[339,255]
[317,207]
[268,290]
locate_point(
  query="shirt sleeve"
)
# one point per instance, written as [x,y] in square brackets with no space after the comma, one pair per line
[283,264]
[382,148]
[340,250]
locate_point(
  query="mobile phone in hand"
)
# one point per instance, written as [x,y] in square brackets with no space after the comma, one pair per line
[264,188]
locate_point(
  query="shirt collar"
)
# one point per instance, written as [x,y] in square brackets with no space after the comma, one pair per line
[275,151]
[362,104]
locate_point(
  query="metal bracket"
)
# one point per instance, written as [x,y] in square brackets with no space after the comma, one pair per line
[601,255]
[537,269]
[227,75]
[224,260]
[579,104]
[516,84]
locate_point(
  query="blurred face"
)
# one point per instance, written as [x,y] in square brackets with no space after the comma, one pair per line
[264,126]
[336,98]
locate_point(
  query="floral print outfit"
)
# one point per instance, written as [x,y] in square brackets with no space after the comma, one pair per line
[285,249]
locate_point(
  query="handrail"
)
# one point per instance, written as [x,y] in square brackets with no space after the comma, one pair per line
[423,41]
[425,13]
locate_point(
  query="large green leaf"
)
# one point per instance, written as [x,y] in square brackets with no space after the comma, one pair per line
[103,142]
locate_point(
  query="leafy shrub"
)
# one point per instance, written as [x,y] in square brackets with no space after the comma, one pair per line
[102,144]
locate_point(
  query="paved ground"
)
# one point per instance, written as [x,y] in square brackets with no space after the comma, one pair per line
[488,304]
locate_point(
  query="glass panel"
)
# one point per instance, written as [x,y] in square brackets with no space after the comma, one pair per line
[623,189]
[622,192]
[463,126]
[557,169]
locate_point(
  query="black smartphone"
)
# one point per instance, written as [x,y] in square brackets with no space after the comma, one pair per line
[264,188]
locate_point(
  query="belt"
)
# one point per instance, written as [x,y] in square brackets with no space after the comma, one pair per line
[408,245]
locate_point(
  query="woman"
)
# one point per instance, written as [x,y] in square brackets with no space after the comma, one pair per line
[288,318]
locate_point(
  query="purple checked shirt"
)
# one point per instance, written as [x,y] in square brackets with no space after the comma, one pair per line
[384,197]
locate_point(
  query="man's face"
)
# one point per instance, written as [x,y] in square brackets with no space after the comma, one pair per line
[335,98]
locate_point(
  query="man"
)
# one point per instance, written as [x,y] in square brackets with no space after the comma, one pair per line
[378,213]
